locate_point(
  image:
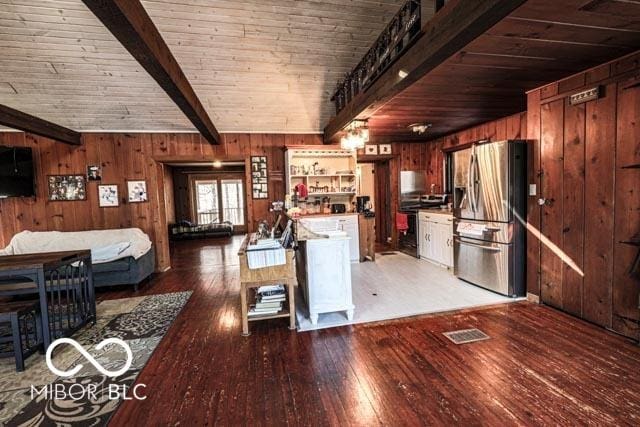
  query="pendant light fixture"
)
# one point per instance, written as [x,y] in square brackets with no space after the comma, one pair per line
[357,135]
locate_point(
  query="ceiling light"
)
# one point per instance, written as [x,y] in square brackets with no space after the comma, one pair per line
[402,74]
[420,128]
[217,164]
[357,135]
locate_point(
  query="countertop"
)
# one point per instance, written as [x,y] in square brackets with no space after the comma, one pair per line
[437,211]
[322,215]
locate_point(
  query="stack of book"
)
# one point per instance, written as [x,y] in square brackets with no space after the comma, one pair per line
[269,300]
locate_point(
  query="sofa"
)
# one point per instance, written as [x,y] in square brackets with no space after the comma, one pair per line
[125,271]
[119,257]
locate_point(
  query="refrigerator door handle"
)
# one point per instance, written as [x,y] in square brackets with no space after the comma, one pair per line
[476,183]
[475,245]
[471,182]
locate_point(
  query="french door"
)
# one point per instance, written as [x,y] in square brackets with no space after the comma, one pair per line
[219,199]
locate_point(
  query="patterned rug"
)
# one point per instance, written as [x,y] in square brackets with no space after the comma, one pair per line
[141,322]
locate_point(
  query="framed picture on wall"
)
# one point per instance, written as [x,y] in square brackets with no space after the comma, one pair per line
[94,173]
[108,196]
[259,174]
[137,191]
[67,187]
[371,150]
[385,148]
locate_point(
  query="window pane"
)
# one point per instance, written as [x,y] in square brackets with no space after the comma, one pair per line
[207,202]
[233,201]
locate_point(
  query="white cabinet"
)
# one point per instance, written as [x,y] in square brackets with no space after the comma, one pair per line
[346,223]
[324,273]
[349,224]
[435,238]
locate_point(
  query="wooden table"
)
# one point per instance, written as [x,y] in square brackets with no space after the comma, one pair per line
[65,291]
[274,275]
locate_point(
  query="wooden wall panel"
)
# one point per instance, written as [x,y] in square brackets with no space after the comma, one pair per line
[599,199]
[626,286]
[601,203]
[551,155]
[132,156]
[573,206]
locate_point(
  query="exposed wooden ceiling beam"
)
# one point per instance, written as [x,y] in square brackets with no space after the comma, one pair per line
[456,25]
[131,25]
[25,122]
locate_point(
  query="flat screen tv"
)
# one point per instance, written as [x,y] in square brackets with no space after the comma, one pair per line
[16,172]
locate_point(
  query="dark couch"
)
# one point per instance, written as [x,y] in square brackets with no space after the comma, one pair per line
[125,271]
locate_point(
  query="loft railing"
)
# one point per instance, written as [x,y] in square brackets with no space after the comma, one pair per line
[395,39]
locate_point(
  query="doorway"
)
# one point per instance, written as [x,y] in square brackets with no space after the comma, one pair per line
[218,200]
[207,194]
[374,180]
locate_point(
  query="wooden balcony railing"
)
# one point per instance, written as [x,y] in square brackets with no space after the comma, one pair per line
[395,39]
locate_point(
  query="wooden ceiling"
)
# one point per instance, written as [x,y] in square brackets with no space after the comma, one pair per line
[256,65]
[540,42]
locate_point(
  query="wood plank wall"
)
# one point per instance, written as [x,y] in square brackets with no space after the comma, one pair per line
[430,156]
[133,156]
[593,201]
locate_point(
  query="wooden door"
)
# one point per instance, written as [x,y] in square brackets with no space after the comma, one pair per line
[551,160]
[577,188]
[383,201]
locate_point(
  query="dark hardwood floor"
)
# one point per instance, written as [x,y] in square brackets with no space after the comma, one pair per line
[540,367]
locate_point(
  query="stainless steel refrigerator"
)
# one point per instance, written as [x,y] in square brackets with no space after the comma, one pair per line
[489,205]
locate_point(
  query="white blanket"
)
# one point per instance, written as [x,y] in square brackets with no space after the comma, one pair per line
[105,245]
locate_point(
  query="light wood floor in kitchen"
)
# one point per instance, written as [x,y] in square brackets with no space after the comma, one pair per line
[540,367]
[398,285]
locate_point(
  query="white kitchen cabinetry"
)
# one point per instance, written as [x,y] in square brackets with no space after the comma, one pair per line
[349,224]
[435,238]
[346,223]
[324,273]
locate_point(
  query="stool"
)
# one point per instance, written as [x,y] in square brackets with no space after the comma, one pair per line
[23,317]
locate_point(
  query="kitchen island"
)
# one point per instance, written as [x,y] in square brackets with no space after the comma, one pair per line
[323,264]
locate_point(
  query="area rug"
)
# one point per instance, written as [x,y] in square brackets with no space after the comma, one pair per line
[140,322]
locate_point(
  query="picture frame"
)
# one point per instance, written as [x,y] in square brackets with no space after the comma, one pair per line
[94,173]
[385,149]
[371,150]
[66,188]
[108,196]
[137,191]
[259,174]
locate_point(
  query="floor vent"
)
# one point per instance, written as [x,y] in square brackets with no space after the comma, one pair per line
[466,336]
[388,253]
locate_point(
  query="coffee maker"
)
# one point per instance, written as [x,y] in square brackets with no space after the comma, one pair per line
[362,204]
